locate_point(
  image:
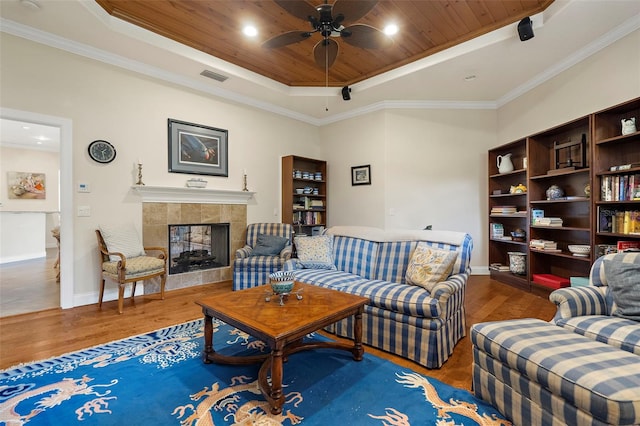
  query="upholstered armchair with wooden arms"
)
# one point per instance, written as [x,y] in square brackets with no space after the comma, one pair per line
[267,248]
[124,261]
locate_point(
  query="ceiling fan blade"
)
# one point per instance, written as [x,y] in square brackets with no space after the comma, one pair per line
[352,10]
[286,38]
[325,52]
[300,9]
[366,37]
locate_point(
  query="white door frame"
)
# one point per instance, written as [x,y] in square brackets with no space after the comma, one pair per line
[66,194]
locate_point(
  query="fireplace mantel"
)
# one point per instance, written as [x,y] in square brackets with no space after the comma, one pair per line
[165,194]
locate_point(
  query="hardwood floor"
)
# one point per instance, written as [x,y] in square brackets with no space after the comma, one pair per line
[29,285]
[53,332]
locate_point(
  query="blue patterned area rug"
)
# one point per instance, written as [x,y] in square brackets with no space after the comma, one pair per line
[159,379]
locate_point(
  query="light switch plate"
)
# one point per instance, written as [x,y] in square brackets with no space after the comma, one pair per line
[84,211]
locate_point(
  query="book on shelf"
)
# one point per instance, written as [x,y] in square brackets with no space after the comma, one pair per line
[620,187]
[618,221]
[556,250]
[624,167]
[536,214]
[503,210]
[628,246]
[499,267]
[539,244]
[497,230]
[548,221]
[551,281]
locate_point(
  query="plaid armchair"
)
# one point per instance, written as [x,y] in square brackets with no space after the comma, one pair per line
[251,270]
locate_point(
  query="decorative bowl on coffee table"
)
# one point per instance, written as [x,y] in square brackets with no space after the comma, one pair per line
[282,282]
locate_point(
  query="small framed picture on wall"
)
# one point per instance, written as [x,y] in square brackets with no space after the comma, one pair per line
[361,175]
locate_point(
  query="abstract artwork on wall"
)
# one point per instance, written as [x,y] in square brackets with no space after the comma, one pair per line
[26,186]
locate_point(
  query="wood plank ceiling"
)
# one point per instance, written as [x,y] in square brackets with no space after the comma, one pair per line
[215,27]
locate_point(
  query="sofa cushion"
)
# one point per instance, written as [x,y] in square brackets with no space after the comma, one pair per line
[140,265]
[624,282]
[595,377]
[429,266]
[355,255]
[619,332]
[334,279]
[269,245]
[395,297]
[317,249]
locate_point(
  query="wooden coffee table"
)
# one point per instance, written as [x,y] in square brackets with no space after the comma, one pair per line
[280,327]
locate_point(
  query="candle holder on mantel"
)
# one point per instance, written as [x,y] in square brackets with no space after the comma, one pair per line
[244,182]
[140,182]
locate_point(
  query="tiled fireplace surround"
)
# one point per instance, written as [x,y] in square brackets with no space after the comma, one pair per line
[156,216]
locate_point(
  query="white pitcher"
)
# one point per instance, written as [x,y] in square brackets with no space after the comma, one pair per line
[505,165]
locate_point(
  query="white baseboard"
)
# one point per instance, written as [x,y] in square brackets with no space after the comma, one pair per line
[480,270]
[20,258]
[110,293]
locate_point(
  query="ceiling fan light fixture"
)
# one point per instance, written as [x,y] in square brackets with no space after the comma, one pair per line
[250,31]
[391,29]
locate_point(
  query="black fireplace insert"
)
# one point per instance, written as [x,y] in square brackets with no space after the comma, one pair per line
[199,246]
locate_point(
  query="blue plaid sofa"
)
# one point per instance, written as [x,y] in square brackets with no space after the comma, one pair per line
[581,368]
[403,319]
[251,271]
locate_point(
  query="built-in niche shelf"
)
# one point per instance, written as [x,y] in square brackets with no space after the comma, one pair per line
[166,194]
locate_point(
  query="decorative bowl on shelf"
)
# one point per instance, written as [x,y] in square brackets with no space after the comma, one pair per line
[282,282]
[299,190]
[579,250]
[518,234]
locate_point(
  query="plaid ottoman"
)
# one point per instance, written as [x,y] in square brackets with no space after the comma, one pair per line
[538,373]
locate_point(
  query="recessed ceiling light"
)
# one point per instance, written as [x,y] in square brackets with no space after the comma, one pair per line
[250,31]
[26,127]
[391,29]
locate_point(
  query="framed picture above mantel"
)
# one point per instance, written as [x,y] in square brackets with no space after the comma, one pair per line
[198,149]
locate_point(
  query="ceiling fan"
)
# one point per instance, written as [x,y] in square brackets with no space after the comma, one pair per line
[328,20]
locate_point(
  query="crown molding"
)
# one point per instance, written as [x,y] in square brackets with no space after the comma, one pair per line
[42,37]
[52,40]
[630,25]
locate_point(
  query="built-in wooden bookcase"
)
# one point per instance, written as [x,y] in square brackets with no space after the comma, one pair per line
[569,171]
[611,150]
[583,158]
[308,209]
[500,185]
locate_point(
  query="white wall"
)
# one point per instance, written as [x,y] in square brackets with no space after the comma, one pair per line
[356,142]
[429,168]
[605,79]
[131,111]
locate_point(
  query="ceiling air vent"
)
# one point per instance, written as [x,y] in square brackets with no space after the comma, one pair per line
[214,75]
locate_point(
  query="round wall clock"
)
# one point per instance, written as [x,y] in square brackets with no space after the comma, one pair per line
[102,151]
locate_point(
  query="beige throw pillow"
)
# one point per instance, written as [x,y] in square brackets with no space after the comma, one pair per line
[429,266]
[122,239]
